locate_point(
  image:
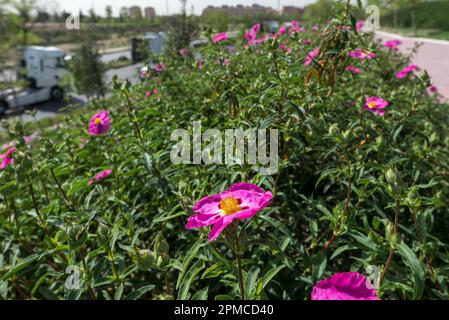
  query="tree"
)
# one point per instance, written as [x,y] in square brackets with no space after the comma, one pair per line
[92,16]
[5,30]
[87,69]
[181,29]
[320,11]
[25,10]
[109,13]
[123,14]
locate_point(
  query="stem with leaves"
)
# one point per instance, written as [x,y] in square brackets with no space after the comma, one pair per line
[392,248]
[347,202]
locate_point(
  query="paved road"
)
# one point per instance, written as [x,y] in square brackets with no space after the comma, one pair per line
[108,57]
[433,56]
[10,74]
[52,108]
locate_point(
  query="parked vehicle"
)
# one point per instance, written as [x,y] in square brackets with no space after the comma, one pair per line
[154,42]
[44,67]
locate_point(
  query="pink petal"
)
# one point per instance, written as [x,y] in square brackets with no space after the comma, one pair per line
[201,220]
[204,203]
[218,227]
[245,186]
[344,286]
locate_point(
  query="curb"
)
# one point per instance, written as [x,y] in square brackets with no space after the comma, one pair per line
[425,40]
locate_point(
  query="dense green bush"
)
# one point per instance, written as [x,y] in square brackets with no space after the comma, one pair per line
[345,174]
[429,14]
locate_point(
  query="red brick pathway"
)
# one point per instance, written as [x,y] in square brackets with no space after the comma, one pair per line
[433,56]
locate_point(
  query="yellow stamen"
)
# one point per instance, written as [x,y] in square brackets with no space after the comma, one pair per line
[98,121]
[229,206]
[372,105]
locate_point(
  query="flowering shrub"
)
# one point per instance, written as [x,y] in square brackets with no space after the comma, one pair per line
[362,182]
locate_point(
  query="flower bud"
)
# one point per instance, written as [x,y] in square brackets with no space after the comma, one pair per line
[161,245]
[163,261]
[391,176]
[76,236]
[103,231]
[144,259]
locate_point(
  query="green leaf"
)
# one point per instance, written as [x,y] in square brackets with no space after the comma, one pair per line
[416,266]
[223,297]
[21,265]
[319,265]
[342,249]
[38,284]
[364,240]
[188,258]
[148,162]
[251,279]
[188,279]
[201,294]
[118,294]
[7,185]
[270,275]
[140,292]
[214,271]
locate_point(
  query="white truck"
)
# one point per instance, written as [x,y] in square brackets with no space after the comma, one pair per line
[44,67]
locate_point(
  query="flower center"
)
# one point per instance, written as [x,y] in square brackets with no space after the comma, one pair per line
[98,121]
[372,105]
[229,205]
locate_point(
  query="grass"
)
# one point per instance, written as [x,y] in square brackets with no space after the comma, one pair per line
[121,62]
[421,33]
[44,123]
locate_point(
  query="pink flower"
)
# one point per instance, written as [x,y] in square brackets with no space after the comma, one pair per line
[344,286]
[256,28]
[223,36]
[315,28]
[404,72]
[359,25]
[261,40]
[311,55]
[183,52]
[143,73]
[282,30]
[376,105]
[200,64]
[6,159]
[362,54]
[153,92]
[284,47]
[30,139]
[392,44]
[8,145]
[99,124]
[250,36]
[100,176]
[241,201]
[433,88]
[226,62]
[353,69]
[159,67]
[307,42]
[295,27]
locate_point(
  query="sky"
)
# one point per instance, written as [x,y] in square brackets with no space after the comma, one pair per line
[160,5]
